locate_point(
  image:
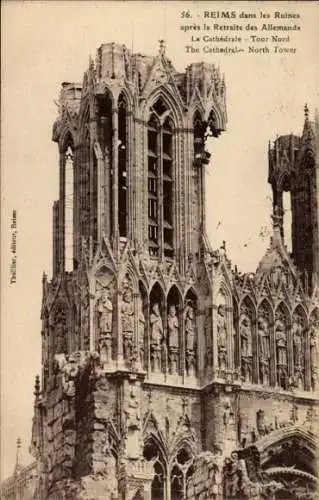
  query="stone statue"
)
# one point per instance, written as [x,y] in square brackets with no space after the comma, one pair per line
[127,313]
[105,309]
[157,331]
[313,345]
[222,337]
[141,332]
[296,331]
[190,328]
[281,342]
[172,324]
[245,336]
[263,336]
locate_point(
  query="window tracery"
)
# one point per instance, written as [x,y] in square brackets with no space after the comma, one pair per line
[160,182]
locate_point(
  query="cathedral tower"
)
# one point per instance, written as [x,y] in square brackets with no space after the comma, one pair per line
[293,168]
[128,316]
[158,359]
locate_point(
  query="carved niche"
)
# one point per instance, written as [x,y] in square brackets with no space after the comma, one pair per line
[281,349]
[60,326]
[222,338]
[127,319]
[141,333]
[245,338]
[190,338]
[157,336]
[104,312]
[297,332]
[263,334]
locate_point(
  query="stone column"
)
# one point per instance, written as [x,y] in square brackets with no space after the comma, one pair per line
[115,229]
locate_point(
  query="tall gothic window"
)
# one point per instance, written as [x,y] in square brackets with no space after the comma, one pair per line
[122,170]
[160,182]
[152,453]
[68,209]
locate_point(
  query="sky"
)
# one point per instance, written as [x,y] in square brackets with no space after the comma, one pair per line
[46,43]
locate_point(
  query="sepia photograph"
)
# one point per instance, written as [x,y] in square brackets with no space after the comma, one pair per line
[159,250]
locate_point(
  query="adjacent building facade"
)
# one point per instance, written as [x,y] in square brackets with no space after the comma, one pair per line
[166,374]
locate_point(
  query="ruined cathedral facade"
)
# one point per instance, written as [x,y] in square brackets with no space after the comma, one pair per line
[166,374]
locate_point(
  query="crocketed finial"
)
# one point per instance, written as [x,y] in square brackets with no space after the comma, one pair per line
[37,387]
[17,464]
[306,109]
[162,47]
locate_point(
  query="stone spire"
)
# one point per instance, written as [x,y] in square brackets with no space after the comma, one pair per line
[162,47]
[18,467]
[306,110]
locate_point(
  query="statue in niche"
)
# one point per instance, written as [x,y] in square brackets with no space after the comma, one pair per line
[190,327]
[133,423]
[296,331]
[157,330]
[127,313]
[172,327]
[172,324]
[263,336]
[60,333]
[281,341]
[157,335]
[222,337]
[105,311]
[245,336]
[141,332]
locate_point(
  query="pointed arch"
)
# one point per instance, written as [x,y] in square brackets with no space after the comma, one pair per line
[170,101]
[181,469]
[152,453]
[216,114]
[157,295]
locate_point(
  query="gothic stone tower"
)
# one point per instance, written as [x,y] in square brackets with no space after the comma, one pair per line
[128,317]
[158,359]
[294,168]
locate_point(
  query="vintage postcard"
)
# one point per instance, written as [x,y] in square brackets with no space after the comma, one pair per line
[159,250]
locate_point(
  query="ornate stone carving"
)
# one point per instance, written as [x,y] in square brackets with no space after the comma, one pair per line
[105,317]
[173,338]
[132,423]
[157,335]
[281,350]
[141,333]
[60,332]
[190,337]
[297,337]
[245,333]
[314,354]
[264,346]
[127,318]
[222,337]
